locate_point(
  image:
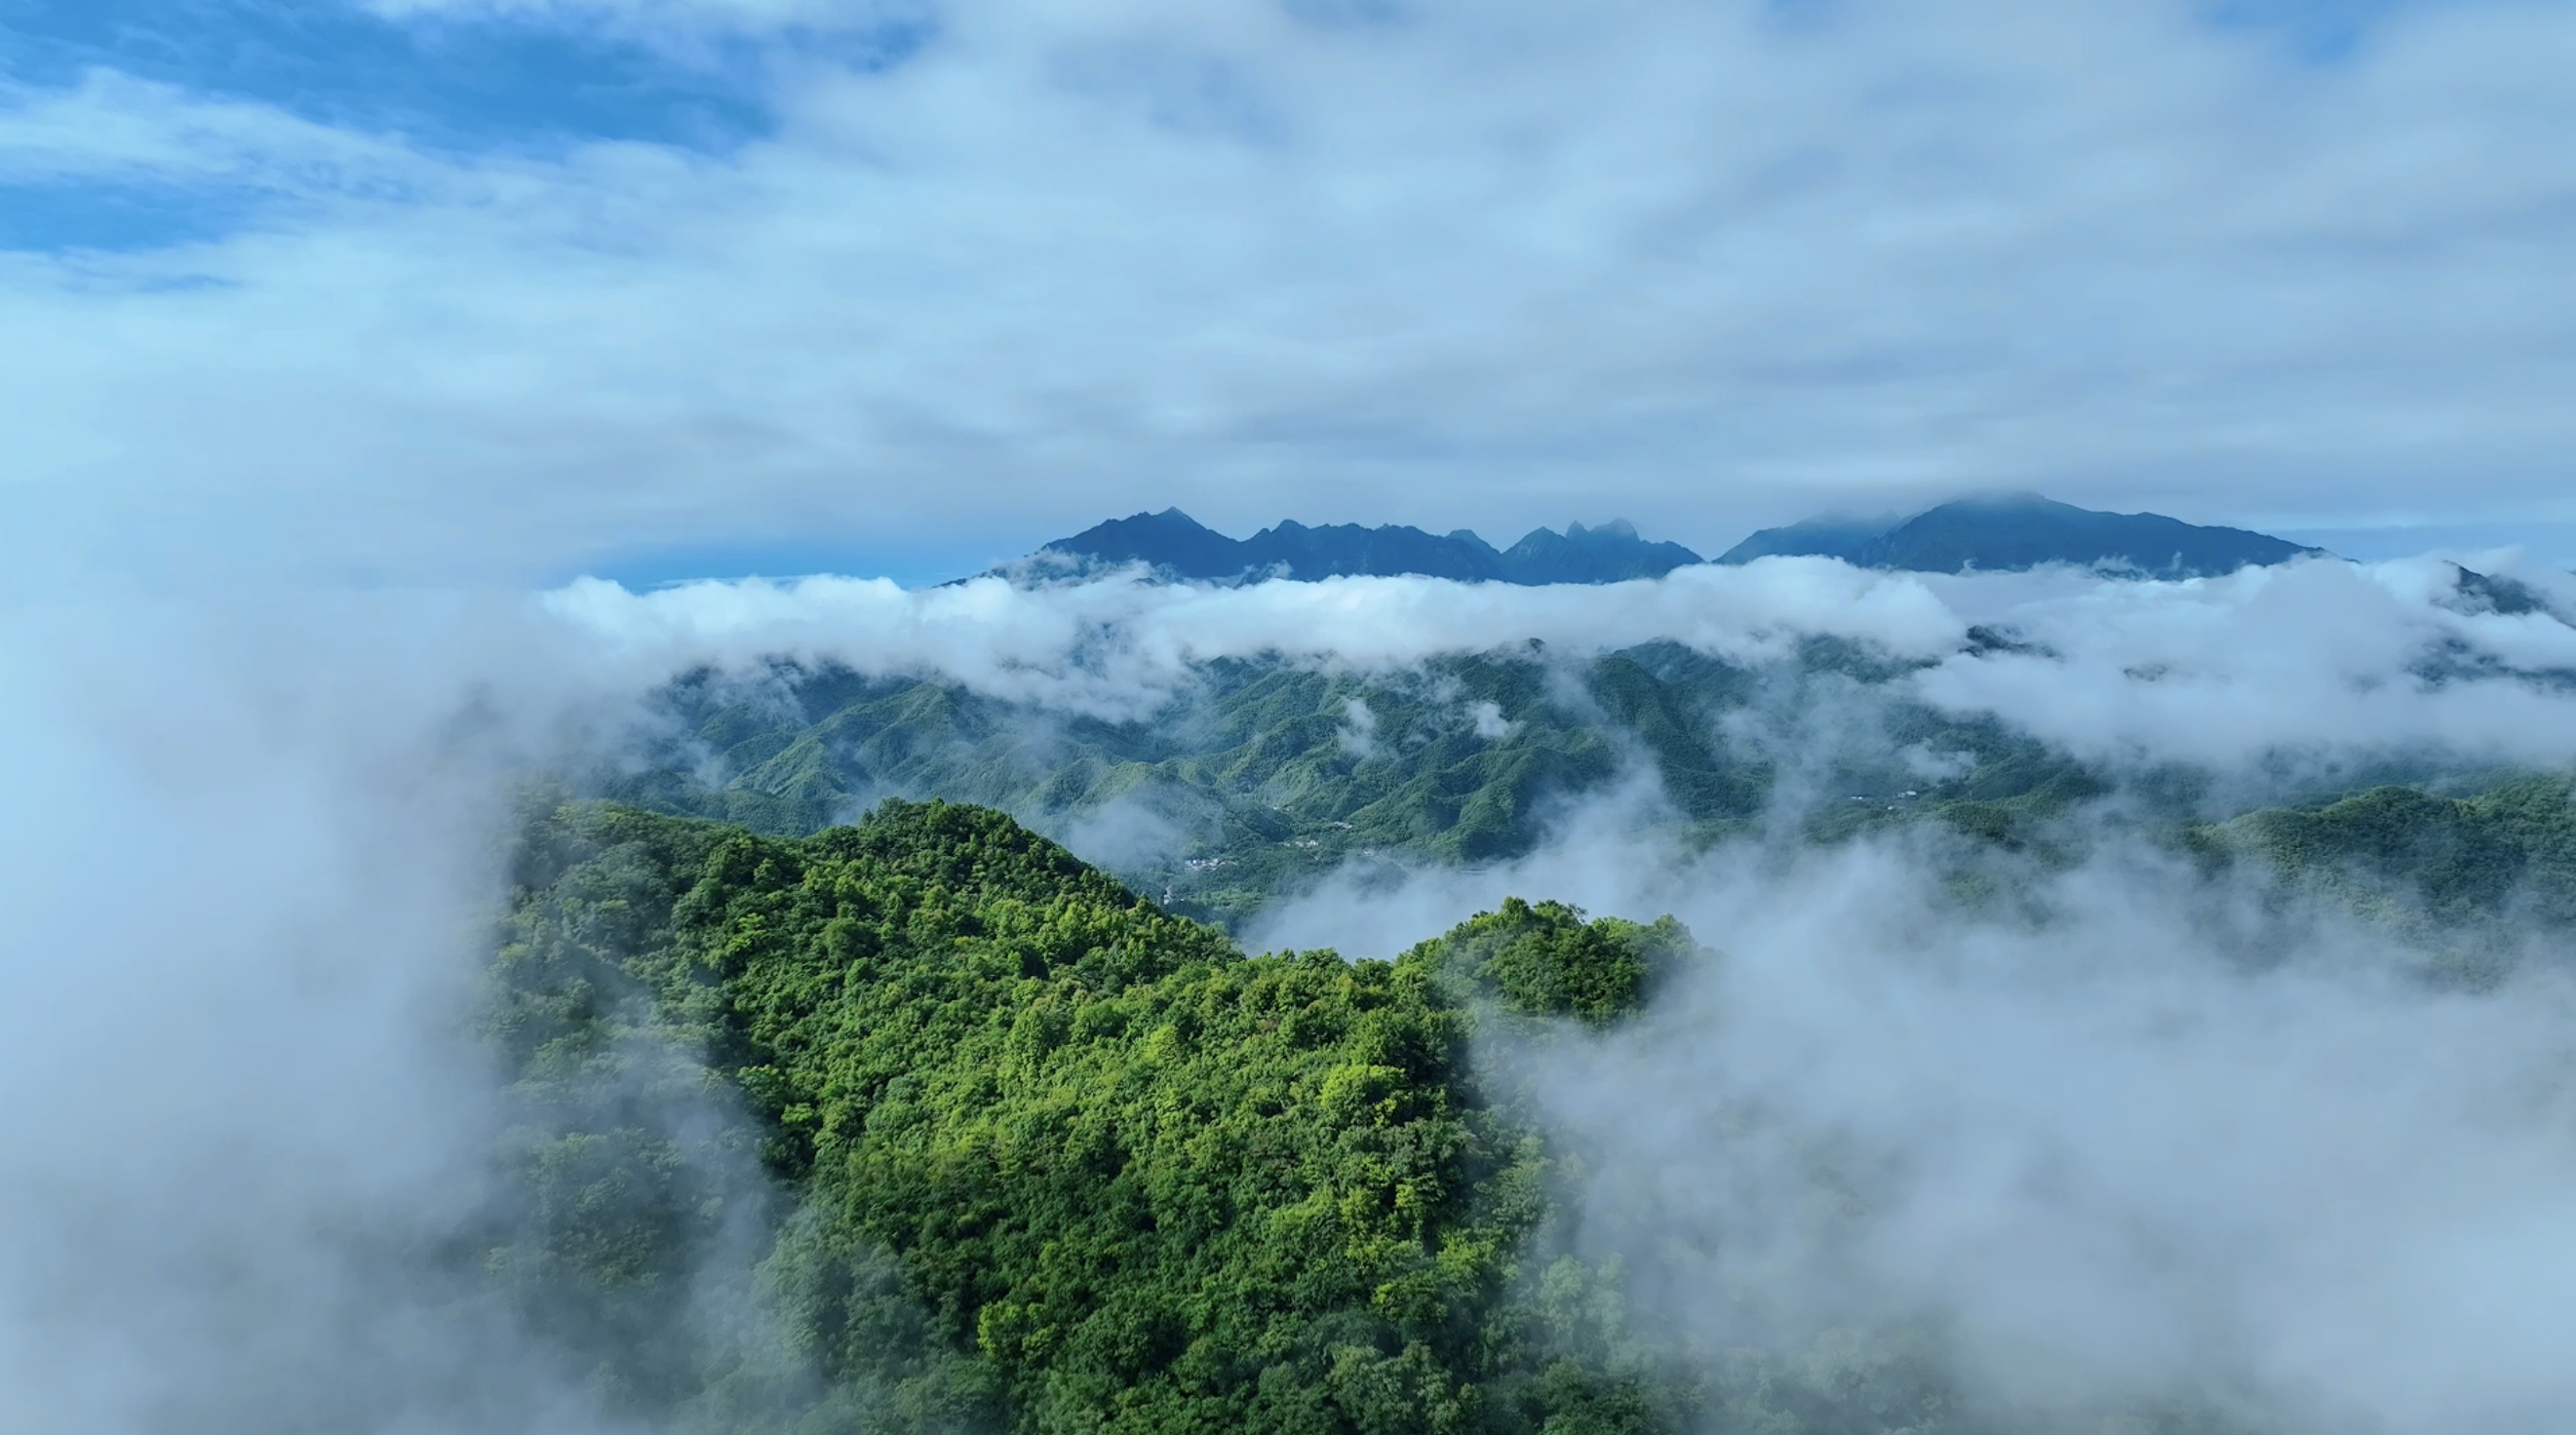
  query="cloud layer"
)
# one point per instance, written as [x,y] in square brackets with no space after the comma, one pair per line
[254,866]
[2118,1143]
[2319,660]
[1703,264]
[249,861]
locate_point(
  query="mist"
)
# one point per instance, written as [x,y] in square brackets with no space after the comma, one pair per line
[2113,1133]
[2115,1140]
[2316,660]
[256,868]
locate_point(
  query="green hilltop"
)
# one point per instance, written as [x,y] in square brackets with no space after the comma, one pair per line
[1035,1155]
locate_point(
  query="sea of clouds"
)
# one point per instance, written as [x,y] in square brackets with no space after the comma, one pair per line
[2315,655]
[2140,1133]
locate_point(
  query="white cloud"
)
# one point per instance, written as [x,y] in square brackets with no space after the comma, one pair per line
[2315,657]
[249,873]
[1705,262]
[2080,1138]
[111,128]
[2319,660]
[1122,645]
[1359,729]
[254,847]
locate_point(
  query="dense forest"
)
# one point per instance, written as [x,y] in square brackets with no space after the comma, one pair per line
[2470,880]
[1261,776]
[922,1124]
[840,1109]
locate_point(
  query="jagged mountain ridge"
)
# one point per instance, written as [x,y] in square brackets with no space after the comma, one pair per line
[1987,533]
[2015,531]
[1172,542]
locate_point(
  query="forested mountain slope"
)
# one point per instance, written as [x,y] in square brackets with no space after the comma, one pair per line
[1264,775]
[973,1138]
[924,1125]
[1268,776]
[2468,877]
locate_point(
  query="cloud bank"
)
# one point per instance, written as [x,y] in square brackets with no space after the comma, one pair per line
[2311,660]
[2122,1144]
[1020,265]
[256,861]
[1122,646]
[248,861]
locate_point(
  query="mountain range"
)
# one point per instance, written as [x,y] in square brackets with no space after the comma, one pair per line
[1180,546]
[1989,533]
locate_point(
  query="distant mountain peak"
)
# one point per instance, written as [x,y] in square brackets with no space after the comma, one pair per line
[2015,530]
[1178,546]
[1609,553]
[2002,530]
[2007,498]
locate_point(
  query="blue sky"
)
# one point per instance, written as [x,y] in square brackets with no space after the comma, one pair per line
[421,290]
[465,84]
[537,82]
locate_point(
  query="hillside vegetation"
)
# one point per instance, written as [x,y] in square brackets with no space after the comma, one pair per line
[1263,775]
[922,1124]
[1260,778]
[1031,1153]
[2470,878]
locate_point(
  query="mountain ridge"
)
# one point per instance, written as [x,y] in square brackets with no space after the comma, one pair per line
[1996,532]
[2010,532]
[1173,543]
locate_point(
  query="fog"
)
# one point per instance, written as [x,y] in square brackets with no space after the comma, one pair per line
[243,864]
[2122,1140]
[2313,658]
[1120,647]
[254,871]
[2118,1134]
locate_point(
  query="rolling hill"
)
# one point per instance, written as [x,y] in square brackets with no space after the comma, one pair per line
[1265,775]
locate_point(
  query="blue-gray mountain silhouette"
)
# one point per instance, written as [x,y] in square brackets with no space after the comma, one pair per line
[2009,532]
[1173,543]
[1990,533]
[1611,553]
[1832,537]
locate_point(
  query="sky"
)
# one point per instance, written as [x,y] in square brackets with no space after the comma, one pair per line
[438,292]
